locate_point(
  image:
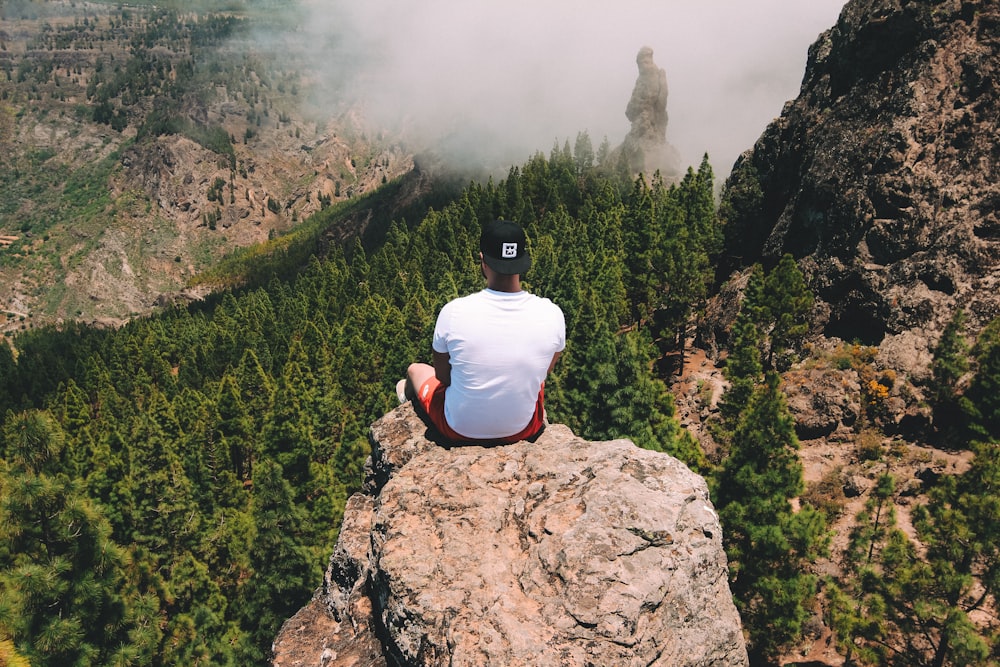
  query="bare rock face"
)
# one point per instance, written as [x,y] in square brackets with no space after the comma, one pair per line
[558,552]
[645,146]
[822,400]
[882,178]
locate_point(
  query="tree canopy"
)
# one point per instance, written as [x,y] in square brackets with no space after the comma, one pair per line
[205,454]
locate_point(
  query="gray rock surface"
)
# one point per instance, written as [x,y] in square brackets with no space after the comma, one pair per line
[557,552]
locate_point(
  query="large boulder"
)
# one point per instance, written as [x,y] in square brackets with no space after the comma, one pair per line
[822,400]
[557,552]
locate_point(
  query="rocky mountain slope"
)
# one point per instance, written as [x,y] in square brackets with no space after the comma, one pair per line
[882,177]
[560,551]
[137,147]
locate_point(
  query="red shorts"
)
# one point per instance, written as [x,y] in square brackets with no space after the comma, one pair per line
[431,398]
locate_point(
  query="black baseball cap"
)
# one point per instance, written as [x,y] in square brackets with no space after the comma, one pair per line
[505,247]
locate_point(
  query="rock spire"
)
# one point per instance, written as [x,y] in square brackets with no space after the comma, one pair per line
[645,146]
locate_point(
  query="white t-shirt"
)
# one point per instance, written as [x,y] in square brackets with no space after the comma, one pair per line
[501,345]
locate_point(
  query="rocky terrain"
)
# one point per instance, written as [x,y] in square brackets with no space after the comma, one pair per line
[557,552]
[104,220]
[882,177]
[842,455]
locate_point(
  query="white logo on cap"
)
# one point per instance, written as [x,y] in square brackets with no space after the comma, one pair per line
[509,251]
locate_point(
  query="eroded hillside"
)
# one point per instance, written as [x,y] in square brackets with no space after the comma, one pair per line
[141,145]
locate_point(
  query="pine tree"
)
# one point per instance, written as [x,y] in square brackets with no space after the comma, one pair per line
[755,303]
[288,434]
[235,433]
[283,573]
[74,415]
[641,407]
[196,629]
[590,345]
[106,481]
[164,517]
[64,599]
[950,363]
[8,378]
[768,544]
[744,371]
[857,609]
[981,402]
[900,603]
[741,208]
[256,388]
[702,212]
[198,447]
[33,441]
[960,526]
[789,303]
[603,151]
[643,278]
[583,153]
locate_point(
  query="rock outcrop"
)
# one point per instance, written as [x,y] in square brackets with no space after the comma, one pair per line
[645,146]
[883,177]
[822,400]
[557,552]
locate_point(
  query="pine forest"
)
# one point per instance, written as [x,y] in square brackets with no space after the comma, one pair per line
[171,489]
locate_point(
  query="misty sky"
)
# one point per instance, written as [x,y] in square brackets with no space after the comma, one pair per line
[504,79]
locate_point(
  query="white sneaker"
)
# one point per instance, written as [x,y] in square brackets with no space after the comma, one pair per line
[401,391]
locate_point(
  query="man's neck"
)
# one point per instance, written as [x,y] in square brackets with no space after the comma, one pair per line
[502,283]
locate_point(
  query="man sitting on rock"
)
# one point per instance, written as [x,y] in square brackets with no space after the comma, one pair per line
[492,351]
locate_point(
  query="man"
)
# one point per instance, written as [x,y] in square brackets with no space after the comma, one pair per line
[492,351]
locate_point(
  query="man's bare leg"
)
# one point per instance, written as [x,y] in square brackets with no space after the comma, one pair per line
[416,376]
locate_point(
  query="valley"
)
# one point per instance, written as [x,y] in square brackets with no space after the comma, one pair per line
[140,147]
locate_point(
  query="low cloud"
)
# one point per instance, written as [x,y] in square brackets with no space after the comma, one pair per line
[495,82]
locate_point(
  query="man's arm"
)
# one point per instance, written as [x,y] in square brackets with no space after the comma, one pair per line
[442,367]
[555,358]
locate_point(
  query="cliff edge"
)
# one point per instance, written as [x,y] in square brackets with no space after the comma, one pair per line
[559,552]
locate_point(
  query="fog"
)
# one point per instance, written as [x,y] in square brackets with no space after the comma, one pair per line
[494,82]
